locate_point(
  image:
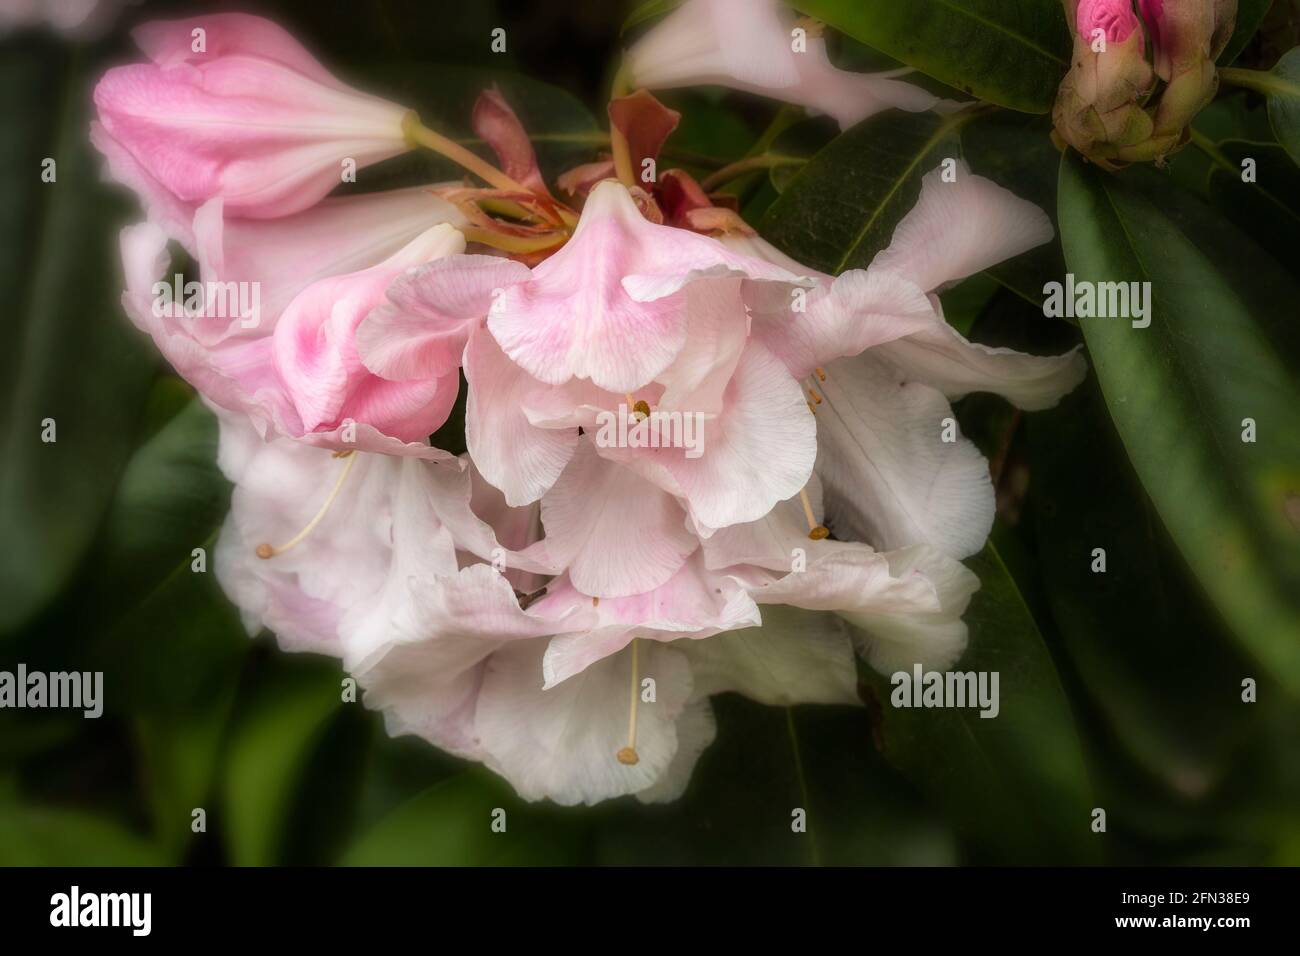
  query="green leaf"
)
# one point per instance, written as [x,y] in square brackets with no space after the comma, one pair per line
[1144,616]
[1017,153]
[1269,207]
[842,207]
[451,824]
[1250,14]
[43,836]
[1009,52]
[73,357]
[1015,785]
[1282,88]
[171,499]
[282,725]
[1180,391]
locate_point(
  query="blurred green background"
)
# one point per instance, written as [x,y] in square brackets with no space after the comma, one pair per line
[1120,691]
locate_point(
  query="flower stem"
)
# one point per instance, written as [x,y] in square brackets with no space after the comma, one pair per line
[618,144]
[417,134]
[1259,81]
[747,165]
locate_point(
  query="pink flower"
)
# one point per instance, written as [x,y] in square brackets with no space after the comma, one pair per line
[233,108]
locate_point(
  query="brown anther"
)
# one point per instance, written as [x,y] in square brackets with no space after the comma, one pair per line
[628,756]
[815,397]
[819,533]
[265,551]
[821,373]
[343,453]
[642,408]
[595,602]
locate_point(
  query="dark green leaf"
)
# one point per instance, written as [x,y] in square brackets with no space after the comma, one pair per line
[1181,390]
[1016,784]
[842,207]
[451,824]
[1009,52]
[1016,152]
[1269,206]
[1250,14]
[1143,616]
[73,357]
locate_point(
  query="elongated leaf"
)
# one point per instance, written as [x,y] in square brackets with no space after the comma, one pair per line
[42,836]
[1009,52]
[1181,391]
[72,358]
[1250,14]
[1015,785]
[1282,87]
[282,724]
[1016,152]
[1268,207]
[1143,616]
[842,207]
[452,824]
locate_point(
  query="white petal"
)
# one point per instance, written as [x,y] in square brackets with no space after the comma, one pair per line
[889,477]
[893,641]
[561,744]
[941,358]
[957,229]
[795,657]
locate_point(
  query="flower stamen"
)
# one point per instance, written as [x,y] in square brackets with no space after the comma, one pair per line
[628,755]
[816,532]
[265,550]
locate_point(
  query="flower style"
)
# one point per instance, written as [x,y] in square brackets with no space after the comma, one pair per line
[748,45]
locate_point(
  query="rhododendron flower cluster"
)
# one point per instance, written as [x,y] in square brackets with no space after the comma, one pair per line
[560,601]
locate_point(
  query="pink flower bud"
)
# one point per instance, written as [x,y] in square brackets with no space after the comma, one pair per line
[232,107]
[1115,18]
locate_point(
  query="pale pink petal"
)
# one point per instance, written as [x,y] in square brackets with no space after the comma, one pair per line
[316,354]
[773,541]
[859,310]
[422,332]
[604,307]
[517,457]
[758,452]
[694,604]
[336,237]
[617,533]
[428,677]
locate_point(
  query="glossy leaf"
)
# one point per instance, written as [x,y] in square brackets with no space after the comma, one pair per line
[842,207]
[1009,52]
[1181,391]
